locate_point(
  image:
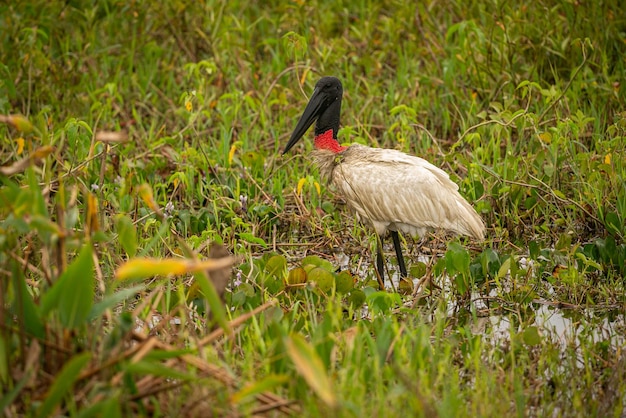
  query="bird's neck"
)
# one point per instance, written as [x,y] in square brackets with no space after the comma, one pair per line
[327,141]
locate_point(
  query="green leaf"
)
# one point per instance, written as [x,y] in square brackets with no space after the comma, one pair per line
[531,336]
[381,302]
[63,383]
[612,223]
[109,301]
[215,303]
[127,235]
[266,384]
[318,262]
[252,239]
[72,295]
[109,407]
[30,312]
[156,368]
[310,366]
[457,259]
[276,266]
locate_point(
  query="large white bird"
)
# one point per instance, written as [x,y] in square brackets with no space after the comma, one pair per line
[388,189]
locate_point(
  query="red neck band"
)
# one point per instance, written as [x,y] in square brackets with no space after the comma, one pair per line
[326,141]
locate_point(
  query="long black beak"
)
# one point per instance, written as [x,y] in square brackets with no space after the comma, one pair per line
[310,115]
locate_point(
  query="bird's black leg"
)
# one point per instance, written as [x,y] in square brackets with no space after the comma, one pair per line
[380,263]
[398,248]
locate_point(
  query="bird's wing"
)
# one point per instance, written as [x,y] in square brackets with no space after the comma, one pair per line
[391,189]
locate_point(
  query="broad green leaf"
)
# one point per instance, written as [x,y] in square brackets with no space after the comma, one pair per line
[127,235]
[318,262]
[612,223]
[30,312]
[276,266]
[457,259]
[252,239]
[63,383]
[311,368]
[531,336]
[215,303]
[77,284]
[323,279]
[72,295]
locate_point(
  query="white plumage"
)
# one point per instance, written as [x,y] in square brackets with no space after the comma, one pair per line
[394,191]
[386,188]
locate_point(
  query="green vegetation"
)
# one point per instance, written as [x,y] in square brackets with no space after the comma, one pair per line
[152,129]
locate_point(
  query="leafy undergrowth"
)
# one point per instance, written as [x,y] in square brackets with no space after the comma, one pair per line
[141,148]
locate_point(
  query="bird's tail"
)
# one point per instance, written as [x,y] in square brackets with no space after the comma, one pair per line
[469,221]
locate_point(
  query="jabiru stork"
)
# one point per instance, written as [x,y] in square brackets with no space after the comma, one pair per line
[388,189]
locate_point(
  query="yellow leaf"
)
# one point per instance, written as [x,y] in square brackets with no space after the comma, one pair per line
[19,122]
[41,152]
[145,193]
[545,137]
[139,268]
[300,186]
[231,154]
[147,267]
[304,74]
[92,214]
[20,145]
[317,187]
[311,368]
[607,159]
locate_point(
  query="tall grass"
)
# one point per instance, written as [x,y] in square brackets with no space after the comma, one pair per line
[151,130]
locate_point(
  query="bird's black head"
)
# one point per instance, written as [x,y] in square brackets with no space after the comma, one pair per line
[323,107]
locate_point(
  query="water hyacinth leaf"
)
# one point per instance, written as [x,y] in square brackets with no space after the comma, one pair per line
[318,262]
[310,366]
[405,286]
[276,266]
[297,276]
[344,282]
[63,383]
[322,278]
[531,336]
[418,270]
